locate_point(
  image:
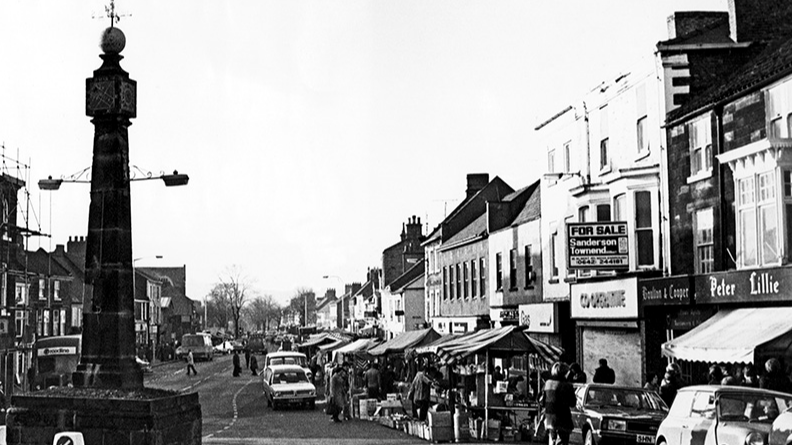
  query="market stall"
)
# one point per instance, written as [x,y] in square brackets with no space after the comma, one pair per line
[499,372]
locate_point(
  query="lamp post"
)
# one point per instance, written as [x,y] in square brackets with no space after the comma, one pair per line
[107,358]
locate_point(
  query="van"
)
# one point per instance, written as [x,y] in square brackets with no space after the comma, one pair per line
[56,358]
[199,344]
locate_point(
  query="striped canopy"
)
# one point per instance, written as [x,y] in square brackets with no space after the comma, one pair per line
[409,339]
[504,339]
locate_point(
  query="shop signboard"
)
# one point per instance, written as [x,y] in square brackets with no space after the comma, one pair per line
[505,315]
[598,245]
[612,299]
[739,286]
[541,317]
[671,291]
[689,318]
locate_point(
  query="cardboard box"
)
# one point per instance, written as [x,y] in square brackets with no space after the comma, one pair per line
[441,433]
[440,418]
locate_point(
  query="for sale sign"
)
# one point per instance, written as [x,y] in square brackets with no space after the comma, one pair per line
[600,245]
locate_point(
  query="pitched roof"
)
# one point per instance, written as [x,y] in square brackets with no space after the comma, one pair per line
[532,210]
[42,262]
[475,229]
[410,275]
[496,183]
[773,61]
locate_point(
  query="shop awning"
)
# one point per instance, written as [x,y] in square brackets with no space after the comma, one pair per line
[504,339]
[333,345]
[733,335]
[409,339]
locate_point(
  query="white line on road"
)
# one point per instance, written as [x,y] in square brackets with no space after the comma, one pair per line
[236,411]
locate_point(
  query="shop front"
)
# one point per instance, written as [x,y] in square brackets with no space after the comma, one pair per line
[460,324]
[749,313]
[607,326]
[665,308]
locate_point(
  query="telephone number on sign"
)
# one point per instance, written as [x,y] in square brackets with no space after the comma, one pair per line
[599,261]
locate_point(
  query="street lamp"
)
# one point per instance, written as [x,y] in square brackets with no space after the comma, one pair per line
[83,176]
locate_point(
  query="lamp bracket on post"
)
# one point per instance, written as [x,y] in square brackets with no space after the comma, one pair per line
[136,174]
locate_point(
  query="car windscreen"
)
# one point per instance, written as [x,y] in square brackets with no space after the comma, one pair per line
[193,340]
[762,408]
[637,399]
[289,377]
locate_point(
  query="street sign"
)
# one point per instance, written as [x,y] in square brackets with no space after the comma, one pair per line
[600,245]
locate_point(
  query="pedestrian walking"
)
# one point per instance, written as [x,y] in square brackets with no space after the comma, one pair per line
[338,393]
[237,366]
[558,399]
[247,358]
[253,364]
[191,364]
[604,373]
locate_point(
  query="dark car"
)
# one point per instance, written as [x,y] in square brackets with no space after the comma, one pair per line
[717,415]
[610,414]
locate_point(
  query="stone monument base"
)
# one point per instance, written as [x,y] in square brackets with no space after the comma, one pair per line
[109,417]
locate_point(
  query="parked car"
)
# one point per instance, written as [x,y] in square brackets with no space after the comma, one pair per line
[616,414]
[288,358]
[287,385]
[781,429]
[224,347]
[199,344]
[238,345]
[716,415]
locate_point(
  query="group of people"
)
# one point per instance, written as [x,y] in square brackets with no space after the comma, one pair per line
[251,363]
[773,378]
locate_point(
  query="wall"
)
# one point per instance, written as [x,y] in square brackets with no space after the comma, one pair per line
[461,254]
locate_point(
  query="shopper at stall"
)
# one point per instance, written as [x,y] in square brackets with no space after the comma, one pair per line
[558,400]
[670,384]
[420,391]
[714,375]
[604,373]
[576,374]
[774,378]
[338,394]
[387,380]
[749,376]
[373,380]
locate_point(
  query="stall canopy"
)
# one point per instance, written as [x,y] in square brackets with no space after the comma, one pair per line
[360,346]
[431,348]
[409,339]
[505,339]
[734,335]
[320,339]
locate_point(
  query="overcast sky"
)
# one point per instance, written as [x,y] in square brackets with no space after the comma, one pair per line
[311,130]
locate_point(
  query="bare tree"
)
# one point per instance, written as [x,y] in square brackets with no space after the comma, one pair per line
[303,304]
[236,289]
[217,307]
[262,312]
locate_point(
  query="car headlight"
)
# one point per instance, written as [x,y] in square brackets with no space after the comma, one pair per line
[617,425]
[755,439]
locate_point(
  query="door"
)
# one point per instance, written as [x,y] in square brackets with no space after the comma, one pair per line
[702,415]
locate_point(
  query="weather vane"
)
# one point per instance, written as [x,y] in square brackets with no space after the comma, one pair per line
[110,11]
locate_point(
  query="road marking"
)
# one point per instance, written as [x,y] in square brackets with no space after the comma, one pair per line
[236,410]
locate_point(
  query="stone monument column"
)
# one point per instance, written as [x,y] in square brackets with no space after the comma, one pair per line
[108,338]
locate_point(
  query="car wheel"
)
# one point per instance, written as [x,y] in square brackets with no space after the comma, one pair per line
[589,438]
[662,442]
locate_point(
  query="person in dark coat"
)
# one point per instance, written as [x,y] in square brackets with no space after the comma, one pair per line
[714,375]
[387,379]
[558,400]
[604,374]
[775,379]
[576,374]
[247,358]
[253,364]
[237,365]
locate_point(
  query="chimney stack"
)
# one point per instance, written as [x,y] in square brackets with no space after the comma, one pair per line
[476,182]
[759,20]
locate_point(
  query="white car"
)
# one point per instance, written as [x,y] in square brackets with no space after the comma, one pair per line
[287,385]
[223,348]
[289,358]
